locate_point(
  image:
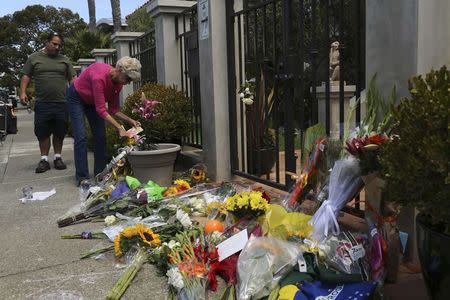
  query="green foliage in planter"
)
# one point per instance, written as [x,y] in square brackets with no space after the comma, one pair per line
[416,163]
[173,123]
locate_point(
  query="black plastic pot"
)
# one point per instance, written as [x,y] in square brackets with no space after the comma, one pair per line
[434,255]
[261,161]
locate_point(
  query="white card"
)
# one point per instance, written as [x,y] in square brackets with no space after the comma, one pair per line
[357,252]
[113,231]
[232,245]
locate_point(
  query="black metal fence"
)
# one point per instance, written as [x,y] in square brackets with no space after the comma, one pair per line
[144,49]
[186,33]
[111,59]
[280,51]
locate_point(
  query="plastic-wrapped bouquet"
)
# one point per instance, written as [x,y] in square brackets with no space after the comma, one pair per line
[345,183]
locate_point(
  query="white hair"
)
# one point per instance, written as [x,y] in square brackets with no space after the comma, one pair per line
[130,66]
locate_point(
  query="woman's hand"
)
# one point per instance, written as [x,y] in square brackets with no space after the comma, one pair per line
[135,123]
[122,132]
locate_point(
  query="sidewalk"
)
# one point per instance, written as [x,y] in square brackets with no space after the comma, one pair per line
[35,262]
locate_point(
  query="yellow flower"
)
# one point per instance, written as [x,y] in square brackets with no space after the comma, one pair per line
[183,184]
[198,175]
[241,202]
[229,204]
[117,247]
[148,236]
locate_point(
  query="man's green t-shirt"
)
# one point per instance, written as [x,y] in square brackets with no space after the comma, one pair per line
[50,75]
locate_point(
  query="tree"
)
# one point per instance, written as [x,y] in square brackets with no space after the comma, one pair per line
[92,18]
[23,33]
[117,18]
[140,20]
[81,44]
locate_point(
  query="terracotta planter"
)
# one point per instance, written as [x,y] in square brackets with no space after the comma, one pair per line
[155,165]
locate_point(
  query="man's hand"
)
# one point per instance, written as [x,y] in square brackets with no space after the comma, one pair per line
[23,98]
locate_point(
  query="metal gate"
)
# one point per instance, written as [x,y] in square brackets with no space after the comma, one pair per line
[280,51]
[144,49]
[187,35]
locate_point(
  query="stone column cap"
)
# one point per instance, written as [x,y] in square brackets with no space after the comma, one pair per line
[125,36]
[157,7]
[102,52]
[85,61]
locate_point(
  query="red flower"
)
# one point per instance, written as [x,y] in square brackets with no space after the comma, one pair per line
[378,139]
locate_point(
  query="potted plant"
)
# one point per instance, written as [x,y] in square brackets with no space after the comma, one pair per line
[416,165]
[164,116]
[260,137]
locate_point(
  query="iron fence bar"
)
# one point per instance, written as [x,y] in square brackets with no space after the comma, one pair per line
[300,76]
[255,7]
[360,74]
[240,79]
[314,54]
[341,69]
[231,68]
[266,182]
[327,81]
[275,95]
[258,97]
[289,93]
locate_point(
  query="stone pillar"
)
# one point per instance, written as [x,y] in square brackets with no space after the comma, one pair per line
[214,87]
[167,46]
[121,41]
[84,63]
[101,54]
[405,38]
[349,92]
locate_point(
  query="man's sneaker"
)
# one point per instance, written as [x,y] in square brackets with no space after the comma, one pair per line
[43,166]
[59,164]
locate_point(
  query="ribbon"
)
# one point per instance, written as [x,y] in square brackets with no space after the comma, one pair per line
[321,221]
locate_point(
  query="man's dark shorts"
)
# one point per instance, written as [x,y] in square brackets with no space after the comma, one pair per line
[50,118]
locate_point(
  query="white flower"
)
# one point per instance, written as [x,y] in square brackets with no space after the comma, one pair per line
[109,220]
[251,97]
[247,101]
[183,218]
[175,278]
[247,90]
[172,244]
[241,95]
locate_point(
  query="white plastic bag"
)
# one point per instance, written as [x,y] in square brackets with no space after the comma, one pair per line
[261,265]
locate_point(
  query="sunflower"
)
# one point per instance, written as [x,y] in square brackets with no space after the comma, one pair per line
[198,175]
[117,246]
[148,236]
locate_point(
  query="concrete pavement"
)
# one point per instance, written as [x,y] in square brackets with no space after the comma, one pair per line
[35,263]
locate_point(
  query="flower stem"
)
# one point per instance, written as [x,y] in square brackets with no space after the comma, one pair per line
[98,251]
[124,281]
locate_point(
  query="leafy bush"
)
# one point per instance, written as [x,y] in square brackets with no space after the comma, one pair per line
[174,116]
[416,162]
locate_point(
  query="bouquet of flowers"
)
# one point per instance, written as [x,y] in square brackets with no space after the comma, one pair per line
[138,236]
[247,204]
[366,149]
[190,264]
[345,183]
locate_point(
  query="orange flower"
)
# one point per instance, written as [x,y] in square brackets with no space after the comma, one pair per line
[378,139]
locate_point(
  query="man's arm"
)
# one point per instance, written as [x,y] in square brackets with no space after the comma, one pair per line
[23,89]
